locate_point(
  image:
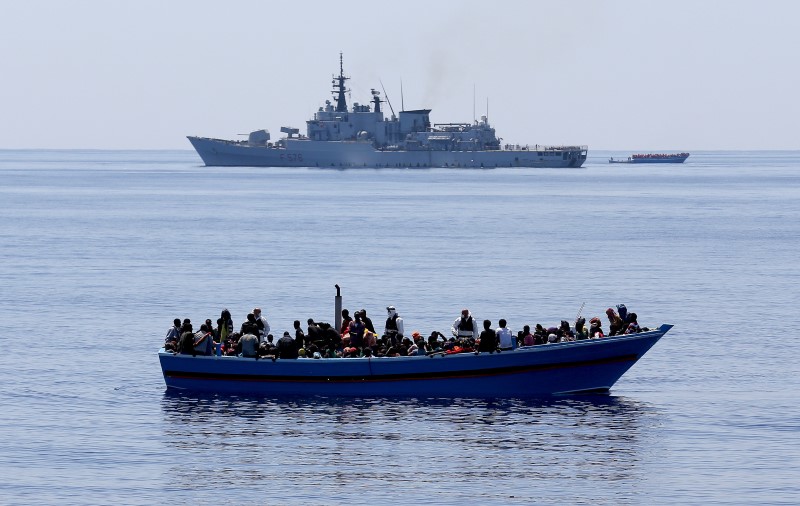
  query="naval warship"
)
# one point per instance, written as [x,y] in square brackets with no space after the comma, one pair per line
[363,137]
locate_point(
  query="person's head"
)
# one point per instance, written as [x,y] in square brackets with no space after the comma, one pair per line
[257,312]
[187,321]
[610,313]
[502,323]
[251,317]
[345,313]
[363,313]
[225,315]
[204,327]
[487,324]
[632,317]
[209,324]
[595,322]
[526,329]
[285,333]
[391,311]
[416,336]
[176,322]
[270,337]
[464,313]
[297,324]
[310,321]
[187,326]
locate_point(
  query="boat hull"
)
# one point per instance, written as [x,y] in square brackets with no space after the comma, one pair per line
[353,154]
[553,369]
[674,159]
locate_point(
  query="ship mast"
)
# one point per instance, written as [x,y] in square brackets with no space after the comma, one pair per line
[339,87]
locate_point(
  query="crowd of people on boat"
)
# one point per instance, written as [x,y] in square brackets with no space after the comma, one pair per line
[358,336]
[660,155]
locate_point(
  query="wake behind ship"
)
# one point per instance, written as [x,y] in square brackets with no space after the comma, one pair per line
[362,137]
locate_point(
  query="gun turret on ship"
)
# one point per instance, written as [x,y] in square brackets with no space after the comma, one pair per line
[363,137]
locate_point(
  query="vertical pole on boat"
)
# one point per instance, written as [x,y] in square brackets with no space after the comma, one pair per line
[337,307]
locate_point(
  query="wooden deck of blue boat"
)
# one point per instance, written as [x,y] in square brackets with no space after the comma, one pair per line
[560,368]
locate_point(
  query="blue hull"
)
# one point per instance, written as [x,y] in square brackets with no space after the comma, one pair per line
[553,369]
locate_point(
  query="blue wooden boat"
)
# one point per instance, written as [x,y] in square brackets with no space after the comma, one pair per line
[587,366]
[652,158]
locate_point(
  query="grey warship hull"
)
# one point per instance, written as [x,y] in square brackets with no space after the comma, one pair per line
[355,154]
[361,136]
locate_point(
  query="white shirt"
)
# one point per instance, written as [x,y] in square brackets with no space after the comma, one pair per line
[262,334]
[505,336]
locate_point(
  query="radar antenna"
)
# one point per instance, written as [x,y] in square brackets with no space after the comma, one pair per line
[339,87]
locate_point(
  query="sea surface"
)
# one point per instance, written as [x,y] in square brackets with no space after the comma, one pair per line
[101,250]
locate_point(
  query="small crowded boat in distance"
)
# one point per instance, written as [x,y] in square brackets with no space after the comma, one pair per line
[574,367]
[653,158]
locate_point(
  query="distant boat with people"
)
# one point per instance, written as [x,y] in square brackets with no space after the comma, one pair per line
[652,158]
[586,364]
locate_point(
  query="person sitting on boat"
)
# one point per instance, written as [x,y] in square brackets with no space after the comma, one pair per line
[524,336]
[504,336]
[488,338]
[595,328]
[539,335]
[287,347]
[187,338]
[203,341]
[615,324]
[262,324]
[173,336]
[249,326]
[248,345]
[565,334]
[268,348]
[393,330]
[465,326]
[434,343]
[633,325]
[580,329]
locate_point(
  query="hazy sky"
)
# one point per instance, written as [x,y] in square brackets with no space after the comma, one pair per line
[611,74]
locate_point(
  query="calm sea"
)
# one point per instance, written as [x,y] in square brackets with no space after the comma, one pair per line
[100,250]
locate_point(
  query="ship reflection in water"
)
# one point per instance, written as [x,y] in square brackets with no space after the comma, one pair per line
[458,445]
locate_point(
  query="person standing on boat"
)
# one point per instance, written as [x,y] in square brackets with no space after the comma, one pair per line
[367,321]
[356,331]
[299,335]
[346,319]
[465,326]
[393,331]
[263,324]
[249,326]
[224,326]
